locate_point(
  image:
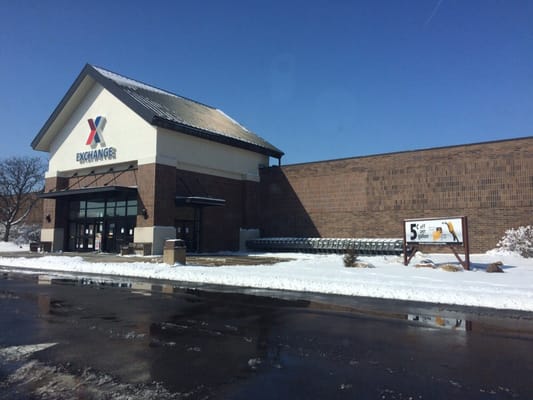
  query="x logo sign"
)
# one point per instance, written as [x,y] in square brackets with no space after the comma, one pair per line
[95,136]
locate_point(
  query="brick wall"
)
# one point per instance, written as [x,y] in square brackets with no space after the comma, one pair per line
[35,215]
[156,194]
[55,208]
[491,183]
[220,225]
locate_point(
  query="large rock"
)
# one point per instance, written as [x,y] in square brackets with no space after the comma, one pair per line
[425,263]
[495,267]
[362,264]
[451,268]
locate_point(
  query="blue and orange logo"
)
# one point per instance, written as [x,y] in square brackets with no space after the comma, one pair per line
[95,136]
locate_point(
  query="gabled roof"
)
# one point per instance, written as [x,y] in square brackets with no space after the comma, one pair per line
[165,109]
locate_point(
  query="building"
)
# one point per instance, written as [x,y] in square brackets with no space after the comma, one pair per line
[368,197]
[131,163]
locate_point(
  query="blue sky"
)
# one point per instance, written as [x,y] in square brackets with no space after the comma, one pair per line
[320,79]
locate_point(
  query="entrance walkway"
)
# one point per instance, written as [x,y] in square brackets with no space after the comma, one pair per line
[213,260]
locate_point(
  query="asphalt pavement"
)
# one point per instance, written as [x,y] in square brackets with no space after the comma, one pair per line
[88,338]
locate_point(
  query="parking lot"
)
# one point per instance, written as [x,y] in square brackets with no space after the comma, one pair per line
[86,338]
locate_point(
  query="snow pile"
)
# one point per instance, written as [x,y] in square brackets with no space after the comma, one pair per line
[56,382]
[23,233]
[325,273]
[519,240]
[10,247]
[18,353]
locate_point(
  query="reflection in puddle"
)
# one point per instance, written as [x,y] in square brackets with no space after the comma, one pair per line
[203,343]
[452,322]
[436,321]
[144,288]
[147,288]
[44,280]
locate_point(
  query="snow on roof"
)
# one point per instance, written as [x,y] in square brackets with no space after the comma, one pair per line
[231,119]
[184,111]
[128,82]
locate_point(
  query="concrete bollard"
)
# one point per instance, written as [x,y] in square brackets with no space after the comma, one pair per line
[174,252]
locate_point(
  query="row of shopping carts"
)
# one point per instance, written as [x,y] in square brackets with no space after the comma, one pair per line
[328,245]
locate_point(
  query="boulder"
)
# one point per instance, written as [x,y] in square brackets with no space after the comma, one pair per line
[350,258]
[495,267]
[426,263]
[451,268]
[362,264]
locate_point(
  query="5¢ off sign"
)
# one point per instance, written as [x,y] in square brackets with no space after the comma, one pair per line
[434,231]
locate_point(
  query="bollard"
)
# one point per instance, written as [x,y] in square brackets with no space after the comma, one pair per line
[174,252]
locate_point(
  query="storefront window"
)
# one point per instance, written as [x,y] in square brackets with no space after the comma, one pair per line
[95,212]
[132,208]
[77,209]
[121,208]
[101,224]
[95,208]
[110,208]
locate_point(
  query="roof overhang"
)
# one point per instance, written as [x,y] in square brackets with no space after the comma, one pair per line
[89,191]
[204,134]
[64,109]
[197,201]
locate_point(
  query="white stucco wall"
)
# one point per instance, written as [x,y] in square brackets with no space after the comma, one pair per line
[132,137]
[155,235]
[54,236]
[137,141]
[199,155]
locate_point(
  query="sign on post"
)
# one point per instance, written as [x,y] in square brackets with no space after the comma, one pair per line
[448,231]
[434,231]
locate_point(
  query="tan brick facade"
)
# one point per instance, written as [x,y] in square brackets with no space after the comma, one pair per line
[491,183]
[158,185]
[55,209]
[221,225]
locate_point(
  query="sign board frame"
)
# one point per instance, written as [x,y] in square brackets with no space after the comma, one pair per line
[445,231]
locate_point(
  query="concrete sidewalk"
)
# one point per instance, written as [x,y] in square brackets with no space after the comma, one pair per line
[214,260]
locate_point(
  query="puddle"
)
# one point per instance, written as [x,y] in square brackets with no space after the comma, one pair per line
[249,341]
[436,321]
[446,320]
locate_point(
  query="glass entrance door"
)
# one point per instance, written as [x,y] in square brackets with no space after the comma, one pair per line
[118,233]
[84,237]
[188,228]
[185,231]
[101,224]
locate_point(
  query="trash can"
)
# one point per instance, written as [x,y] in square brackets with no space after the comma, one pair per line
[45,247]
[174,252]
[126,250]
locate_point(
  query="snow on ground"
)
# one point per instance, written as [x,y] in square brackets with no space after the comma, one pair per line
[10,246]
[325,273]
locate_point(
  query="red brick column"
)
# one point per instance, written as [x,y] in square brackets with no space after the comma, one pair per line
[157,192]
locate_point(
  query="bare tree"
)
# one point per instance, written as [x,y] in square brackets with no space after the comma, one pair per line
[20,180]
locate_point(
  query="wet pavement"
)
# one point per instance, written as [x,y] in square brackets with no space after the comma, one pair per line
[91,338]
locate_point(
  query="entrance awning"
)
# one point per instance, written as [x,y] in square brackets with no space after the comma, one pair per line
[89,191]
[197,201]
